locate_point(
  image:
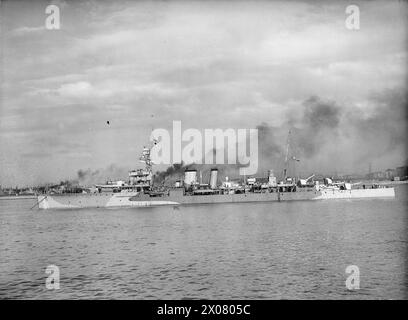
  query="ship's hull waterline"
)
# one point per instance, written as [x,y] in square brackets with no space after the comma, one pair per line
[111,200]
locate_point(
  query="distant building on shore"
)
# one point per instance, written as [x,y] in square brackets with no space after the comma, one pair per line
[402,172]
[378,175]
[390,174]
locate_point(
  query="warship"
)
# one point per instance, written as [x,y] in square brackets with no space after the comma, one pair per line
[140,191]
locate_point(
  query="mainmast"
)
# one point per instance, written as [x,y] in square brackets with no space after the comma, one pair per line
[286,158]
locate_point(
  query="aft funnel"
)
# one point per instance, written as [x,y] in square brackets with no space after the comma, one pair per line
[213,178]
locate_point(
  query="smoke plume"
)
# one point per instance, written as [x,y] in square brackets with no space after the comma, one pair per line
[328,137]
[88,177]
[325,136]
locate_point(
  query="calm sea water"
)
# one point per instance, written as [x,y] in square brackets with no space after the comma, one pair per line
[286,250]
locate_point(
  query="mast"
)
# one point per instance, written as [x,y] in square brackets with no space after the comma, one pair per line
[145,157]
[144,176]
[286,158]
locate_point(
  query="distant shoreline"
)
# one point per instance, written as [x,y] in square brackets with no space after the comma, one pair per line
[18,197]
[367,182]
[391,183]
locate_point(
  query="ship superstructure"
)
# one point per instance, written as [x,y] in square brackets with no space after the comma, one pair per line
[140,180]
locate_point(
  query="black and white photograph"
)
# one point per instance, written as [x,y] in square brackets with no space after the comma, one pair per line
[224,151]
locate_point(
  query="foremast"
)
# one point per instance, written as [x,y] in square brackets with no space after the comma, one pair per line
[143,178]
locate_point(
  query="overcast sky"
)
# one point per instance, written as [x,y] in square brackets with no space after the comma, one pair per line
[142,65]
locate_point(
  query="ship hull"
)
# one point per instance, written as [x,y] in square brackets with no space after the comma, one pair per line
[109,200]
[357,194]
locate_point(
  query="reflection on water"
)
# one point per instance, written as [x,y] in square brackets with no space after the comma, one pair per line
[283,250]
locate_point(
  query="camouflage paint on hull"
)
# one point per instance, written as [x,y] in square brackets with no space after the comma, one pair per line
[133,199]
[357,194]
[98,200]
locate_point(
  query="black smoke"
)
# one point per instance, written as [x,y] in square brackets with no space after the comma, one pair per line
[325,135]
[329,137]
[88,177]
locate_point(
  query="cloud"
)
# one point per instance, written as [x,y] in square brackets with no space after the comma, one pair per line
[209,64]
[77,89]
[23,31]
